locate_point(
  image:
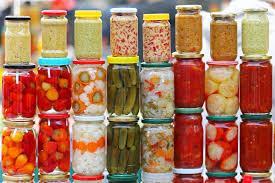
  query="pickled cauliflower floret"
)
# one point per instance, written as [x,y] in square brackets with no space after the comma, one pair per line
[220,73]
[215,104]
[236,76]
[228,88]
[210,87]
[231,105]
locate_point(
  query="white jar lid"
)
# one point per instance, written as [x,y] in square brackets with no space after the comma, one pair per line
[188,171]
[123,10]
[89,118]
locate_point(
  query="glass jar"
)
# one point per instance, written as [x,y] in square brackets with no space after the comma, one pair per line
[257,177]
[188,138]
[188,176]
[189,72]
[188,25]
[122,178]
[17,179]
[54,34]
[222,88]
[123,146]
[157,90]
[223,36]
[18,148]
[124,32]
[123,86]
[156,38]
[54,85]
[88,179]
[17,40]
[256,153]
[88,34]
[89,87]
[53,144]
[54,178]
[157,145]
[221,144]
[256,85]
[255,32]
[88,137]
[221,177]
[18,92]
[157,177]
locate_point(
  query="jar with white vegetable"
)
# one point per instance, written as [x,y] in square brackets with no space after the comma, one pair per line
[222,88]
[157,90]
[88,145]
[89,88]
[88,179]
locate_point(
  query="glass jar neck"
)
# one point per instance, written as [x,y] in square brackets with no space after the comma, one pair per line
[189,12]
[225,19]
[255,14]
[124,14]
[54,17]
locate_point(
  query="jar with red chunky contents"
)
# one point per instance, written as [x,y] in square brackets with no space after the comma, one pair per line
[221,177]
[89,87]
[156,38]
[188,176]
[17,179]
[88,178]
[54,178]
[256,84]
[18,148]
[53,144]
[222,88]
[256,143]
[221,144]
[54,85]
[256,177]
[188,138]
[19,92]
[124,32]
[189,76]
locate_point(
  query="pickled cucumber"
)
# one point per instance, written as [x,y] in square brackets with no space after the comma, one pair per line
[115,160]
[115,137]
[125,77]
[109,75]
[135,109]
[123,159]
[132,159]
[133,76]
[122,138]
[131,137]
[111,98]
[116,78]
[131,98]
[120,100]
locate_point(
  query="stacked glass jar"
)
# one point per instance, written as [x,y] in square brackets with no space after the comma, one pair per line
[256,96]
[89,99]
[123,83]
[18,102]
[222,100]
[54,87]
[157,100]
[189,71]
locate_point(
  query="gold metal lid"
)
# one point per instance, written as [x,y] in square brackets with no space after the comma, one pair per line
[255,10]
[187,55]
[222,15]
[54,177]
[188,7]
[27,124]
[17,178]
[123,119]
[253,174]
[256,57]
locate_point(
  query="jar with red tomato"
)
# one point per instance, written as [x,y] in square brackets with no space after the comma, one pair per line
[188,176]
[188,138]
[17,179]
[19,92]
[18,148]
[257,177]
[256,143]
[221,144]
[222,88]
[53,144]
[221,177]
[256,84]
[189,79]
[53,81]
[54,178]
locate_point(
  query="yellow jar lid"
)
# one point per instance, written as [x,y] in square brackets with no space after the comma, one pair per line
[122,60]
[87,13]
[164,16]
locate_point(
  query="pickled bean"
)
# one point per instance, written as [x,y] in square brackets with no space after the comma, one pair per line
[130,100]
[123,158]
[116,78]
[122,138]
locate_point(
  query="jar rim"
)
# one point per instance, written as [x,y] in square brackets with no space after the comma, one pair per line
[123,60]
[123,10]
[187,55]
[54,177]
[88,118]
[163,16]
[213,174]
[264,116]
[123,119]
[54,12]
[255,10]
[223,15]
[188,110]
[157,121]
[87,14]
[144,64]
[87,177]
[15,18]
[188,171]
[188,7]
[54,61]
[17,178]
[53,116]
[19,66]
[256,57]
[20,124]
[123,178]
[222,118]
[258,175]
[222,63]
[88,62]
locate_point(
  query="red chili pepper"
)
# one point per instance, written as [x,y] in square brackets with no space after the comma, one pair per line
[159,94]
[151,87]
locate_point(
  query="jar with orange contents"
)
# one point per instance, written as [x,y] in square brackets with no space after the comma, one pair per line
[17,179]
[18,148]
[88,136]
[54,178]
